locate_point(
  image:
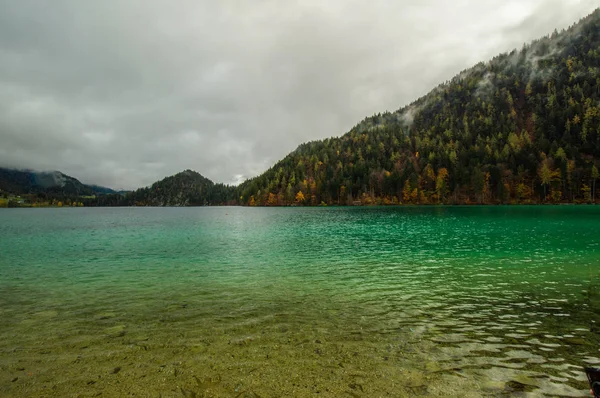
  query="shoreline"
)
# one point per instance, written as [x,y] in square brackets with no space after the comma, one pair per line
[30,206]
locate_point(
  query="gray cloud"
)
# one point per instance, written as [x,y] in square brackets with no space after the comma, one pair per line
[125,92]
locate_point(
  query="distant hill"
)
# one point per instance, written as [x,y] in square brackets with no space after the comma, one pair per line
[187,188]
[46,183]
[523,127]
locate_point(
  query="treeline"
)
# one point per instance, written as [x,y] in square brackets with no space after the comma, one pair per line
[10,200]
[522,128]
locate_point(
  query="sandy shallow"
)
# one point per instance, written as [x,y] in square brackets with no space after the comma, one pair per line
[181,351]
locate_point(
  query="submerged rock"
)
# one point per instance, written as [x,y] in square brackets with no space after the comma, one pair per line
[433,367]
[115,331]
[577,341]
[47,314]
[514,387]
[105,315]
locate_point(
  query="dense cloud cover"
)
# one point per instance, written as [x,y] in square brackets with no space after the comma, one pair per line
[124,92]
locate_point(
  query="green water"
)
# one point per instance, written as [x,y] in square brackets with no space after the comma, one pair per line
[357,302]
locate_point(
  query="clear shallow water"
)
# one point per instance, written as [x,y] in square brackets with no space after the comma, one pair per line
[431,301]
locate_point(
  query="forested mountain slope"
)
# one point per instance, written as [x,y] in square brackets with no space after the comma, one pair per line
[187,188]
[523,127]
[45,184]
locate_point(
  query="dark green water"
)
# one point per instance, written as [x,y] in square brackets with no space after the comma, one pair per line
[429,301]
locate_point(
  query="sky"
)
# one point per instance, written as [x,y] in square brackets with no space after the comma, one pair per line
[122,93]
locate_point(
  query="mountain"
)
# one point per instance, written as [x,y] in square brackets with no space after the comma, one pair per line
[51,184]
[100,190]
[523,127]
[187,188]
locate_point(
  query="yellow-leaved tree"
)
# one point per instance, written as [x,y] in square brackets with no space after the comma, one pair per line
[441,184]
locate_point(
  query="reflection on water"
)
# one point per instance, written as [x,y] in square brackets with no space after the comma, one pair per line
[298,302]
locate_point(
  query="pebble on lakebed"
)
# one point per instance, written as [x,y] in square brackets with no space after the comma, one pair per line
[115,331]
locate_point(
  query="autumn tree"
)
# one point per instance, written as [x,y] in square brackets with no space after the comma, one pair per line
[441,184]
[300,197]
[545,174]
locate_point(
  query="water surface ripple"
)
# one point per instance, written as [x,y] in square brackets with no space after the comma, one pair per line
[185,302]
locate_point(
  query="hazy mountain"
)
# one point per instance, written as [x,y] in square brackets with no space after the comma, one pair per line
[52,183]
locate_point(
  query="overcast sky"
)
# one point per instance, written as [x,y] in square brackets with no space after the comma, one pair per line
[124,92]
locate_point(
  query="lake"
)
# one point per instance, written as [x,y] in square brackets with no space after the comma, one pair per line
[266,302]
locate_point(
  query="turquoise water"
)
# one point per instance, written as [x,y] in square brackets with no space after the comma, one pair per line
[192,302]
